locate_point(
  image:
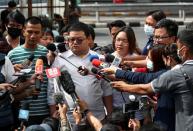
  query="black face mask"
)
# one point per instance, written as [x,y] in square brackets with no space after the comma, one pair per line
[13,32]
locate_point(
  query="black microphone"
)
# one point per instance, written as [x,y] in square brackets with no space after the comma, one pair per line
[102,75]
[61,47]
[109,58]
[59,39]
[27,62]
[51,47]
[23,114]
[81,69]
[68,85]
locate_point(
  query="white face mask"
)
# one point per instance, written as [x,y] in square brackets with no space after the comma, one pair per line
[178,52]
[149,65]
[148,30]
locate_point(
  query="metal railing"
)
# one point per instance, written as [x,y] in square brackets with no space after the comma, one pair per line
[180,7]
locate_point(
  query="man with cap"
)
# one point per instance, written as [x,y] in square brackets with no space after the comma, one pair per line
[177,82]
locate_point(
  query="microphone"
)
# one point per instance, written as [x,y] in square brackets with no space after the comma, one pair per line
[116,62]
[100,74]
[92,57]
[109,58]
[51,47]
[81,69]
[58,98]
[23,114]
[27,62]
[39,71]
[68,86]
[61,47]
[99,64]
[59,39]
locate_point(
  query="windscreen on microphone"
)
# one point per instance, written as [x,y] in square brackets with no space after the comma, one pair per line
[109,58]
[96,62]
[67,82]
[51,47]
[59,39]
[92,57]
[58,98]
[61,47]
[94,70]
[102,75]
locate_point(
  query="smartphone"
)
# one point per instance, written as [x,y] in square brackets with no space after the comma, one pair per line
[23,114]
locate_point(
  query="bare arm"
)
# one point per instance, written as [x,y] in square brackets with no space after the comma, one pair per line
[108,102]
[94,121]
[141,89]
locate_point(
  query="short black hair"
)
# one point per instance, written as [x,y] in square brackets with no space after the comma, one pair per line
[171,50]
[12,4]
[92,32]
[116,23]
[33,20]
[186,37]
[170,26]
[156,14]
[16,16]
[48,31]
[80,26]
[109,127]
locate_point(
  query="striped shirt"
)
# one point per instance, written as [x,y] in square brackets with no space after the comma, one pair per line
[38,106]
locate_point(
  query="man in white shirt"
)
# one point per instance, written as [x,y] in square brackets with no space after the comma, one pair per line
[97,93]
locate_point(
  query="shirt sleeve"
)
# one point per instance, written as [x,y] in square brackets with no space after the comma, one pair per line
[8,70]
[164,83]
[137,77]
[107,90]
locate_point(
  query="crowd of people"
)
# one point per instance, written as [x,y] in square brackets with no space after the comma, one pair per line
[147,89]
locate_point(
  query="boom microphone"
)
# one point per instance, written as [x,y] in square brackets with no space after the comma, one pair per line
[68,85]
[102,75]
[81,69]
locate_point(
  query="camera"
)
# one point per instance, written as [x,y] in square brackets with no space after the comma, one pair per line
[131,107]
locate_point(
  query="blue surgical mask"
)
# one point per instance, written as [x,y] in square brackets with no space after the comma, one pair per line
[148,30]
[149,65]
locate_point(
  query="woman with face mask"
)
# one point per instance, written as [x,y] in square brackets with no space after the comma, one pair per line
[151,20]
[14,25]
[164,115]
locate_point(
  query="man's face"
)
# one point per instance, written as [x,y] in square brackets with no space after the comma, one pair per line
[162,37]
[32,33]
[182,50]
[78,43]
[114,30]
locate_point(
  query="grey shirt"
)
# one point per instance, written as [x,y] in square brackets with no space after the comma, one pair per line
[174,82]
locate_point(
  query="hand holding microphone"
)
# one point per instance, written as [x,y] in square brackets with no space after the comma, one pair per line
[39,72]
